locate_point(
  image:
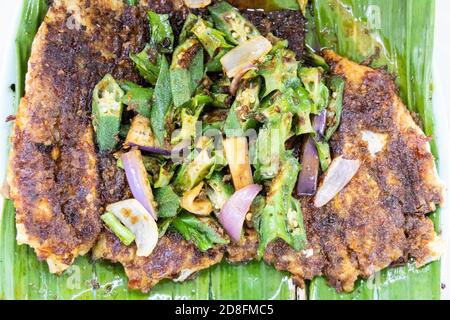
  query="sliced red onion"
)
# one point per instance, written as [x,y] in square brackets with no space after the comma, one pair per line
[320,123]
[338,175]
[237,79]
[246,53]
[233,213]
[307,178]
[155,150]
[137,179]
[197,4]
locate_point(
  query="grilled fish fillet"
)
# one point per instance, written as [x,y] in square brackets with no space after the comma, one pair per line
[173,258]
[379,218]
[53,173]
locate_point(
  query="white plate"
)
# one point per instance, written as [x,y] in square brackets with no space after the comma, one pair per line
[9,17]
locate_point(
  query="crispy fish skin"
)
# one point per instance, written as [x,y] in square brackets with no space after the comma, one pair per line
[379,218]
[173,258]
[53,169]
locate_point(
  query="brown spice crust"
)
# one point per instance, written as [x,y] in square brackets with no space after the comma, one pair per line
[173,257]
[284,24]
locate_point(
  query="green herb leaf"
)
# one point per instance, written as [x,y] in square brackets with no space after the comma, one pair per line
[162,102]
[168,202]
[200,232]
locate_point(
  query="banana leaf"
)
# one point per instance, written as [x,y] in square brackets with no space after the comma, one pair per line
[405,47]
[399,35]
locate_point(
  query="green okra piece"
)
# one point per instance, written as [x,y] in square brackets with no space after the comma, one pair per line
[122,232]
[138,99]
[270,146]
[334,109]
[162,36]
[315,85]
[192,173]
[229,20]
[279,70]
[323,151]
[186,71]
[218,191]
[281,216]
[107,110]
[148,63]
[211,39]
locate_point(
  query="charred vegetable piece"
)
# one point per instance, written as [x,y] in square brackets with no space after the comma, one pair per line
[228,20]
[334,109]
[164,177]
[237,155]
[134,216]
[162,101]
[194,203]
[139,99]
[148,63]
[211,39]
[279,70]
[281,217]
[186,31]
[116,227]
[295,101]
[188,126]
[315,59]
[247,101]
[271,145]
[218,190]
[201,231]
[315,85]
[161,32]
[192,173]
[186,71]
[107,110]
[140,133]
[168,202]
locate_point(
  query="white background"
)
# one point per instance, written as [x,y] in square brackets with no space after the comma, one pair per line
[9,16]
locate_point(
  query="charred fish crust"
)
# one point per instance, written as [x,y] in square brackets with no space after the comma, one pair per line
[284,24]
[172,258]
[113,186]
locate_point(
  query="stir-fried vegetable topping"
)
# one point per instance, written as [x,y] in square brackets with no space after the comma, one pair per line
[219,109]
